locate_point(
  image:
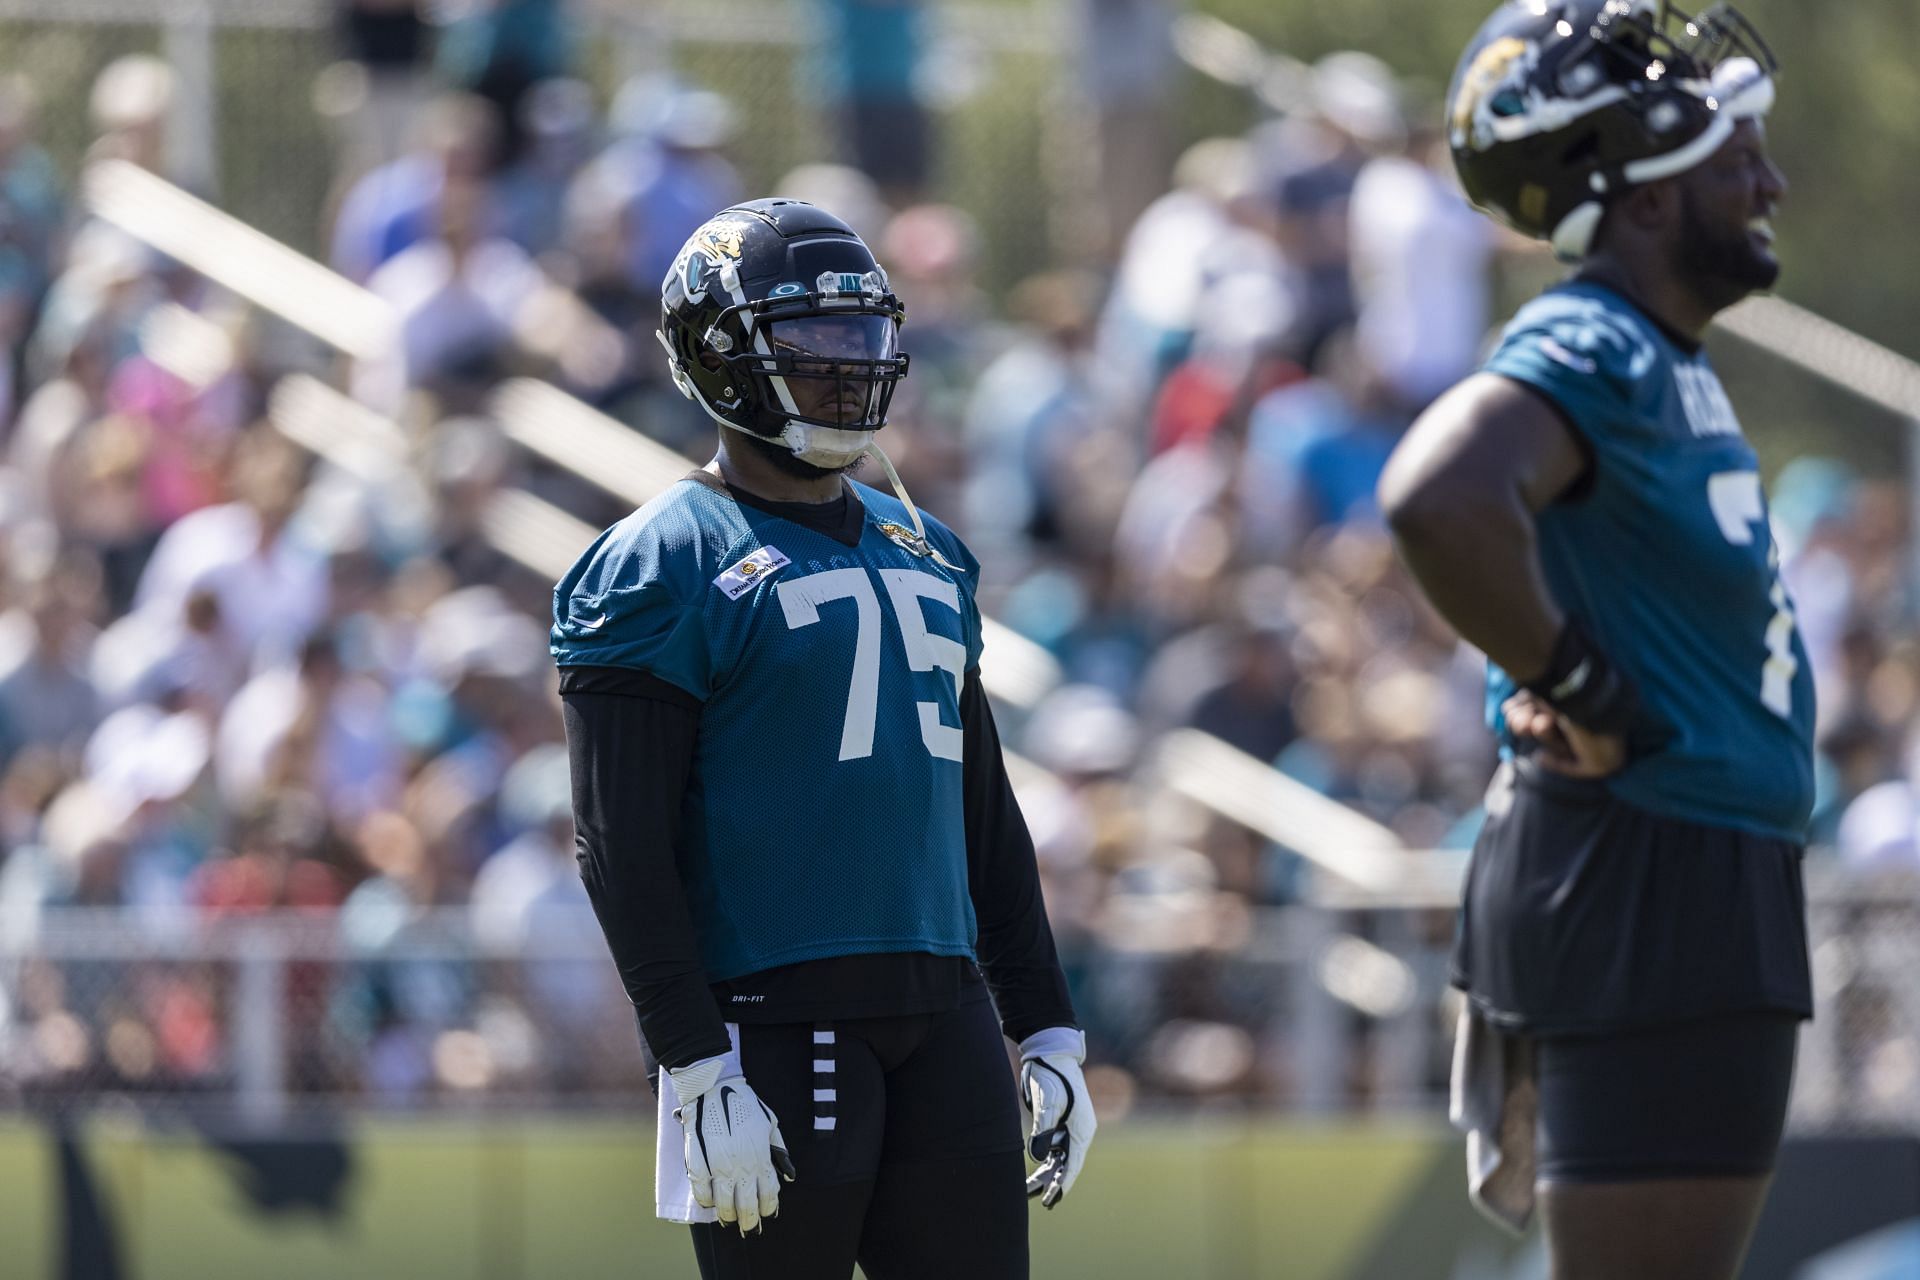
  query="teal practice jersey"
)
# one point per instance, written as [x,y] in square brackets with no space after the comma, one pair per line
[1668,560]
[823,816]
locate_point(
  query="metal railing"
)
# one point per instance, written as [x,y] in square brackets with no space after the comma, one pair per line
[256,1018]
[262,1019]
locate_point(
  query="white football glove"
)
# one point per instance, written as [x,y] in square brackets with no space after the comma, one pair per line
[1054,1092]
[735,1154]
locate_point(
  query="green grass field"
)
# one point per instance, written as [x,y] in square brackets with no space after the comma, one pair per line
[508,1199]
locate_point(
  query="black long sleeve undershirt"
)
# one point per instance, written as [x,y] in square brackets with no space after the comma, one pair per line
[632,739]
[1015,942]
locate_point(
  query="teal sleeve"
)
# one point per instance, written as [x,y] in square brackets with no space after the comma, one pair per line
[955,551]
[619,612]
[1591,366]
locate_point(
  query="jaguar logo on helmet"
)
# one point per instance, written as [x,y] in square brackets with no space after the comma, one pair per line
[712,250]
[768,300]
[1557,106]
[1491,86]
[721,239]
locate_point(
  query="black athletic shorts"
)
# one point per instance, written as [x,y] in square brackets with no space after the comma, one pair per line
[906,1144]
[1699,1099]
[1583,913]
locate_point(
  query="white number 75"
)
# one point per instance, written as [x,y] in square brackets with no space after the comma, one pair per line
[800,601]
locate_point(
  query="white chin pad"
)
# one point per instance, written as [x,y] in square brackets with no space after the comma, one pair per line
[1574,236]
[825,446]
[1744,88]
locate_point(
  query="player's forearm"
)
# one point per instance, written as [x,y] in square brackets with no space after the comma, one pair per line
[1471,547]
[671,998]
[1461,492]
[1024,974]
[1014,942]
[630,761]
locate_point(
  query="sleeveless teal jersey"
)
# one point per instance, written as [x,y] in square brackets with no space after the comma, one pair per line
[823,817]
[1669,561]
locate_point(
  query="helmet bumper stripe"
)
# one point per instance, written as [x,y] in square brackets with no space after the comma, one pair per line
[1683,157]
[781,391]
[1547,115]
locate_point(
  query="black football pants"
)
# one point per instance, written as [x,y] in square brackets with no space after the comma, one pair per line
[905,1136]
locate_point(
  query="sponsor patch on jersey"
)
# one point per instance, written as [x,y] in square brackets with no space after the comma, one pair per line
[742,578]
[913,542]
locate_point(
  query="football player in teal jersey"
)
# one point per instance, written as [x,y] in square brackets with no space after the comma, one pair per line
[1586,511]
[793,816]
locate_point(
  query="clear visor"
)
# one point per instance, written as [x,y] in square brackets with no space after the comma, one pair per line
[834,339]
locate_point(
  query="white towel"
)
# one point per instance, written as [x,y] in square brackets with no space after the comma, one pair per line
[1495,1102]
[672,1190]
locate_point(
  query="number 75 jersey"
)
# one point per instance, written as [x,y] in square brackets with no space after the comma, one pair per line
[1668,559]
[824,812]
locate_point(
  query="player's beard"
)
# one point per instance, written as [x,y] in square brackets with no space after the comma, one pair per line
[1723,266]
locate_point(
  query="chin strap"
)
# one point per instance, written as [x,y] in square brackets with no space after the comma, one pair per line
[871,450]
[900,490]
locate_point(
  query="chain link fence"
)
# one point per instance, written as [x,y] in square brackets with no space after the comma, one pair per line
[268,1018]
[1859,1067]
[243,127]
[250,129]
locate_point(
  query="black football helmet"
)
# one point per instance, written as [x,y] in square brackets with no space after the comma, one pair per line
[1557,105]
[768,302]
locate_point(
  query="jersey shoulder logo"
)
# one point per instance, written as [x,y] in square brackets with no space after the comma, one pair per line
[740,579]
[918,545]
[1594,339]
[1559,354]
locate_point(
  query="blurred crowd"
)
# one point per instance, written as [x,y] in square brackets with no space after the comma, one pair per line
[235,680]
